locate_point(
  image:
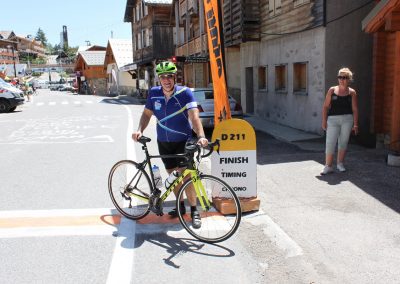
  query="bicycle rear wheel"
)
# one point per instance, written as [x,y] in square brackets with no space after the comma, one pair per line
[219,209]
[130,188]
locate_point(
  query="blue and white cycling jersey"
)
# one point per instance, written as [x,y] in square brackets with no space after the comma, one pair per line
[172,116]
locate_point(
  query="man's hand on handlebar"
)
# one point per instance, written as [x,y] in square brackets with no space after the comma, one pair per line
[203,141]
[136,135]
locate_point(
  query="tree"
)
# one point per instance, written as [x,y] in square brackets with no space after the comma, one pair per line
[41,36]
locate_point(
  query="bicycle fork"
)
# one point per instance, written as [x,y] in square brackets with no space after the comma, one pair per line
[201,193]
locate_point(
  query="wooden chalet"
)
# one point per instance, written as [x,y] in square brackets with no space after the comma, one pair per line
[384,23]
[90,72]
[242,21]
[152,25]
[119,55]
[191,46]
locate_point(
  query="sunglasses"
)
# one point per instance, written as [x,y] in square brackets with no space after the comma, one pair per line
[343,77]
[169,76]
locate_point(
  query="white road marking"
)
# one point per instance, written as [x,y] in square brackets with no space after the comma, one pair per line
[65,103]
[77,102]
[27,232]
[52,103]
[40,104]
[89,102]
[56,213]
[122,261]
[275,233]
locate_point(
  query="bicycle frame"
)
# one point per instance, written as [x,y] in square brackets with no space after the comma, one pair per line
[190,171]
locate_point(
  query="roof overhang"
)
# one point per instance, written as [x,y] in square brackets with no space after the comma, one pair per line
[380,14]
[129,67]
[130,4]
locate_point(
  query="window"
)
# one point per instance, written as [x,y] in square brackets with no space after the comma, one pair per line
[274,7]
[300,77]
[300,2]
[137,12]
[262,77]
[146,10]
[150,37]
[145,38]
[139,41]
[280,78]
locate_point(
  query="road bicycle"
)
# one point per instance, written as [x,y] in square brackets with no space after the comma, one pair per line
[134,193]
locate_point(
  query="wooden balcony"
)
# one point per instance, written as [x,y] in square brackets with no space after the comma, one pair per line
[192,6]
[162,46]
[195,46]
[242,21]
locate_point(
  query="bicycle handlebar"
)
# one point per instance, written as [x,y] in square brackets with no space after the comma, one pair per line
[191,146]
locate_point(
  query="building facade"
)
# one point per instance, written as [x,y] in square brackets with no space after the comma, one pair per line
[284,72]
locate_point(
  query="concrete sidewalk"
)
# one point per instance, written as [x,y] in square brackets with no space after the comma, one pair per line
[280,132]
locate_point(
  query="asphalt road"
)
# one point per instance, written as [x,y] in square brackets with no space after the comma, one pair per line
[56,223]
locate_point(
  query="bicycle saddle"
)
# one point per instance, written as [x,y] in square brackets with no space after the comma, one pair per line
[144,139]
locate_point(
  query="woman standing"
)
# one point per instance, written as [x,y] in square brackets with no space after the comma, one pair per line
[339,118]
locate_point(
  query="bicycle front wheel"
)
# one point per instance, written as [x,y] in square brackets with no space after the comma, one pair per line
[218,205]
[130,187]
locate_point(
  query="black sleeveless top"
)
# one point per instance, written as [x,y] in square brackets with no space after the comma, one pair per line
[340,105]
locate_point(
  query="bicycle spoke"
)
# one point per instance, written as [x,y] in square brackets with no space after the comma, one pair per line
[218,206]
[130,201]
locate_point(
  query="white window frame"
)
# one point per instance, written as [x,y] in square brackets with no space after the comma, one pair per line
[146,10]
[274,7]
[137,12]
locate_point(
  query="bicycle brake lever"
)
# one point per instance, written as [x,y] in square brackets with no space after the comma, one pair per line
[218,145]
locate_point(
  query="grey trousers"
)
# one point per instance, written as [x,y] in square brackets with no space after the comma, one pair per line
[338,130]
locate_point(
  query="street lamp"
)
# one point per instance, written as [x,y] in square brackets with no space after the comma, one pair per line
[12,48]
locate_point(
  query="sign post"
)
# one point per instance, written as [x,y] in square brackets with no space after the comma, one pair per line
[236,163]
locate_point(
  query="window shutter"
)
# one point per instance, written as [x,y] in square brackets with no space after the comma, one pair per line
[271,6]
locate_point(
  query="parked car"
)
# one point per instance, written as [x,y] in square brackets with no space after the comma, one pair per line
[43,84]
[205,104]
[10,97]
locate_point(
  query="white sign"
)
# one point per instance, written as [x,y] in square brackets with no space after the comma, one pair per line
[236,163]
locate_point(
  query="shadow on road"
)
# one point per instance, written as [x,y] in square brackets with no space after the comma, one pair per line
[177,246]
[366,168]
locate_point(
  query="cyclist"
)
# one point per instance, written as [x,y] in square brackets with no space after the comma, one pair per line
[177,117]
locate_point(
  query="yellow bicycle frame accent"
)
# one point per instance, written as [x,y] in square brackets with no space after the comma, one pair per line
[198,187]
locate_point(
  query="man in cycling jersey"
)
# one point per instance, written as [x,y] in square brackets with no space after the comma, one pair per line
[177,115]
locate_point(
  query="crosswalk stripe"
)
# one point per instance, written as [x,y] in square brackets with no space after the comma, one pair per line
[65,103]
[52,103]
[39,104]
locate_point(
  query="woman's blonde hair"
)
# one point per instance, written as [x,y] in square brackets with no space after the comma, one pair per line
[346,71]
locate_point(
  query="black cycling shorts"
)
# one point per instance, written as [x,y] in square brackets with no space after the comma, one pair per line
[169,148]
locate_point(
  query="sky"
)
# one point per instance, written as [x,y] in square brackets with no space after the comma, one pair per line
[92,20]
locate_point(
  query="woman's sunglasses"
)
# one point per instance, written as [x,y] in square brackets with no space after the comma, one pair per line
[343,77]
